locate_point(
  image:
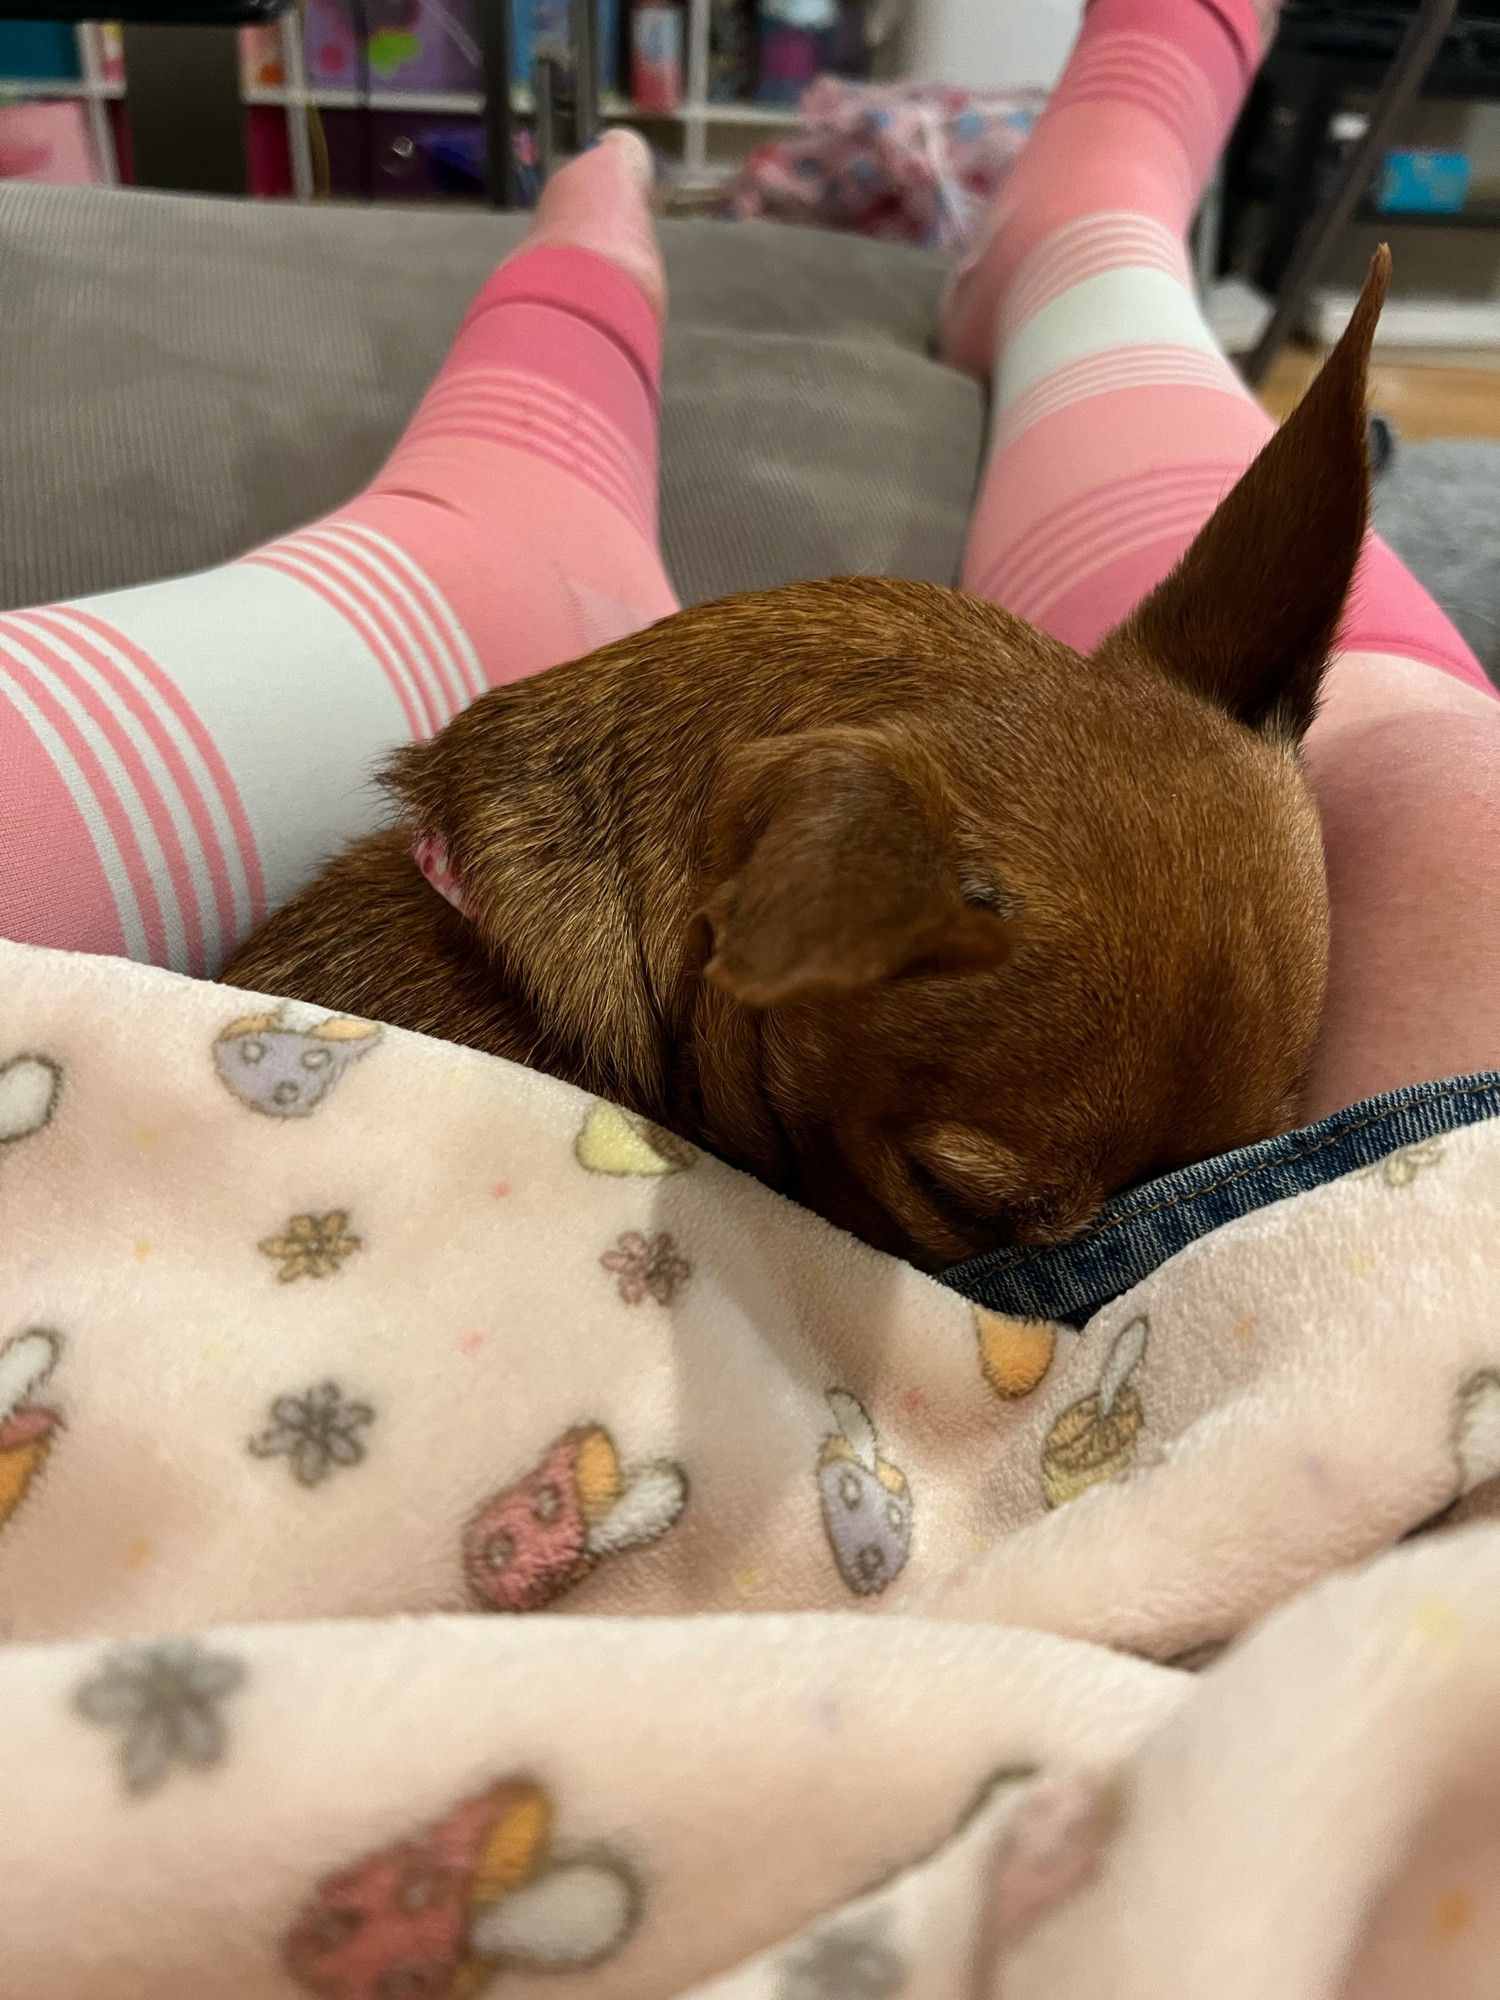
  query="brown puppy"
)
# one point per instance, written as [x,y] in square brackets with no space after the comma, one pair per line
[878,892]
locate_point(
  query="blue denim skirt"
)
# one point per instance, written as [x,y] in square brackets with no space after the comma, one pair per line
[1139,1230]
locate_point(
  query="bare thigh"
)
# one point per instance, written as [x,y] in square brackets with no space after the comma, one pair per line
[1405,764]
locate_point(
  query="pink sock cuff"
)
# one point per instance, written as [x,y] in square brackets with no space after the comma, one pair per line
[1197,27]
[1389,612]
[589,287]
[1242,23]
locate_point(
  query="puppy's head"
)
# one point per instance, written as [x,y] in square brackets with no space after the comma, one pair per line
[1064,925]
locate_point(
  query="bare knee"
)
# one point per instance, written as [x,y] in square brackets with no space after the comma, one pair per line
[1410,806]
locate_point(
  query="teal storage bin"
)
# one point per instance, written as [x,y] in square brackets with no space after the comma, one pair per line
[1424,183]
[39,51]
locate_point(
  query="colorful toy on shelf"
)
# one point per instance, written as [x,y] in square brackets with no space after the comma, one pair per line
[433,45]
[262,64]
[791,46]
[656,58]
[801,39]
[426,45]
[911,162]
[540,28]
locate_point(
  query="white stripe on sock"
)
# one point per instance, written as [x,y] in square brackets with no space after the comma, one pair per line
[170,724]
[117,776]
[425,602]
[176,807]
[298,706]
[111,861]
[1130,307]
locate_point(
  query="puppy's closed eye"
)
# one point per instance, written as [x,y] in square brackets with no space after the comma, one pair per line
[979,1186]
[953,1207]
[967,1177]
[981,894]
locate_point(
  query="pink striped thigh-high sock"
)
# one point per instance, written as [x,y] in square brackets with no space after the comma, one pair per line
[177,759]
[1118,424]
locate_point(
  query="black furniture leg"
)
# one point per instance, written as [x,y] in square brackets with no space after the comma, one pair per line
[583,34]
[544,91]
[501,185]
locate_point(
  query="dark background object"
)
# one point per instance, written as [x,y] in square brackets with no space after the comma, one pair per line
[1326,217]
[186,123]
[160,13]
[1282,162]
[501,182]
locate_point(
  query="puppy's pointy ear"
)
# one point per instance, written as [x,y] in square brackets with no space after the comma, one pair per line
[830,870]
[1247,617]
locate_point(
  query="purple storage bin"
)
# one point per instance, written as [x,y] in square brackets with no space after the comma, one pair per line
[429,45]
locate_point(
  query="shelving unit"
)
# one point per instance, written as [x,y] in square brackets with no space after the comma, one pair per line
[694,119]
[102,82]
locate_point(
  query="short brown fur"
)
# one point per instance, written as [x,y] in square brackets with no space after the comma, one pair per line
[883,895]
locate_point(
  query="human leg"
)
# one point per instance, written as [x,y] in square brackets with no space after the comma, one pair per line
[178,758]
[1117,422]
[1118,426]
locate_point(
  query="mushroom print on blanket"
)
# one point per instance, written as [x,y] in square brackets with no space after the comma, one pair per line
[553,1528]
[1014,1354]
[1095,1439]
[26,1428]
[29,1089]
[866,1501]
[440,1915]
[1476,1431]
[285,1062]
[618,1142]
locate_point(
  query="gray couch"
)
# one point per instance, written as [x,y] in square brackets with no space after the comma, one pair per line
[181,378]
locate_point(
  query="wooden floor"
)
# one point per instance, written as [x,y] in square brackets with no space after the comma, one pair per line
[1420,400]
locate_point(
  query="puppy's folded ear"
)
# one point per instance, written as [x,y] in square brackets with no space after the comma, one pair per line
[834,870]
[1247,617]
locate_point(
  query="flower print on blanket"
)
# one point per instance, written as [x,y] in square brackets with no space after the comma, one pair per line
[647,1267]
[867,1510]
[438,1915]
[1095,1439]
[315,1433]
[311,1246]
[166,1702]
[551,1529]
[26,1428]
[849,1961]
[285,1062]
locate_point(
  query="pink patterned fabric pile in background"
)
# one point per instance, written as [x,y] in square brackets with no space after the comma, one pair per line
[909,163]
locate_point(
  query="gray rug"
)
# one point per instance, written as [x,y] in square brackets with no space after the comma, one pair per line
[1438,505]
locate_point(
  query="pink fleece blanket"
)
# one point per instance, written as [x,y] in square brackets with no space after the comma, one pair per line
[331,1356]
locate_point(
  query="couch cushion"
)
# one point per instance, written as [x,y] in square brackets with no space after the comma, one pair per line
[185,377]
